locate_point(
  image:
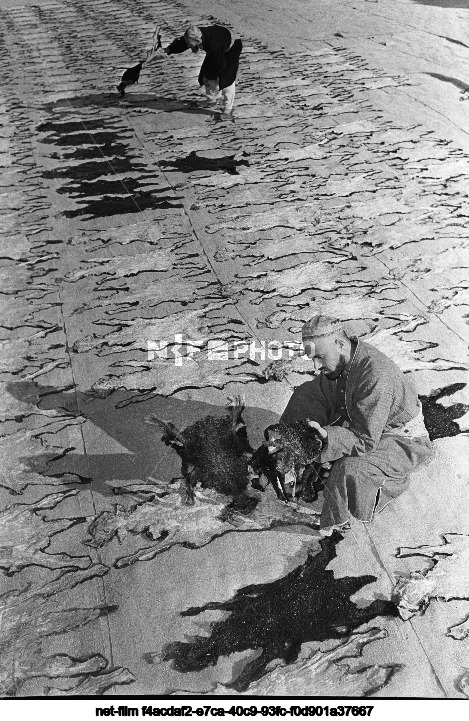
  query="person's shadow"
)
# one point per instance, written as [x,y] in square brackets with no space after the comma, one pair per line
[119,444]
[133,100]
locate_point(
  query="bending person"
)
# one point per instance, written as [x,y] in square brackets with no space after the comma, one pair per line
[220,65]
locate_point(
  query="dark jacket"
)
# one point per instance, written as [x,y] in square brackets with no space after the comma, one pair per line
[221,61]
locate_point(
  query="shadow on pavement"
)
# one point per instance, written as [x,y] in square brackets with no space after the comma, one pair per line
[443,3]
[447,79]
[132,100]
[120,445]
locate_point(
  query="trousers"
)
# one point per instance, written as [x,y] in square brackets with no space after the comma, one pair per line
[361,486]
[227,94]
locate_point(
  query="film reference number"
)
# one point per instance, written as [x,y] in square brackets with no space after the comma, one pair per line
[237,711]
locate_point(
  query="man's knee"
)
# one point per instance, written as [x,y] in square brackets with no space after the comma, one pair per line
[348,465]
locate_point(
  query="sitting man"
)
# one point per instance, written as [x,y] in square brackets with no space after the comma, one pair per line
[370,419]
[220,65]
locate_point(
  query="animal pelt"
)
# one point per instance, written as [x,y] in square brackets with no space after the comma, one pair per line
[131,75]
[214,453]
[289,450]
[308,604]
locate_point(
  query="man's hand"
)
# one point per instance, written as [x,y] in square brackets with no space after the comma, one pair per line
[322,431]
[212,85]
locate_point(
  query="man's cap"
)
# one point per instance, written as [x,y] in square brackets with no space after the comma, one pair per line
[193,34]
[321,325]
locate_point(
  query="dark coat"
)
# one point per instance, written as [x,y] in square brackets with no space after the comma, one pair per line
[221,61]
